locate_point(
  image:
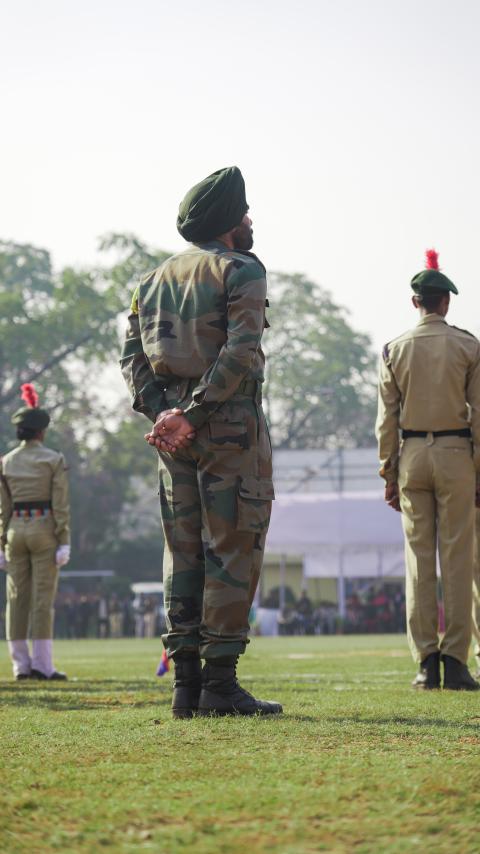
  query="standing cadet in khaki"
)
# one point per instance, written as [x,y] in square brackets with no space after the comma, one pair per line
[34,539]
[429,378]
[194,341]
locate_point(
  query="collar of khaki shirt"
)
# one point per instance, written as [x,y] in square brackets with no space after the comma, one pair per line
[431,318]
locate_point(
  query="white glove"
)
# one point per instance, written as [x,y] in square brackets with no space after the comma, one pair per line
[62,555]
[3,561]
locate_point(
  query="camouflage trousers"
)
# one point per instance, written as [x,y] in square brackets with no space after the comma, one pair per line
[215,500]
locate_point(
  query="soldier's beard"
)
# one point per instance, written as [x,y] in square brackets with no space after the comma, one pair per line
[242,237]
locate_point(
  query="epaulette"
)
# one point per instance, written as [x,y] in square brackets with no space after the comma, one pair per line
[385,353]
[253,256]
[463,330]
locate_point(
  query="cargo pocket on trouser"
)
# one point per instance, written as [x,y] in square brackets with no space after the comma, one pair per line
[255,495]
[228,435]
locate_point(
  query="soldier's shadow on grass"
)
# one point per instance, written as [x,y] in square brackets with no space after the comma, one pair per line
[85,695]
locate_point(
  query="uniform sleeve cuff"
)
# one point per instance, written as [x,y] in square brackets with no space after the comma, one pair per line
[196,417]
[389,477]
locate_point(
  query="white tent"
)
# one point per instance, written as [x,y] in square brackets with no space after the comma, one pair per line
[346,535]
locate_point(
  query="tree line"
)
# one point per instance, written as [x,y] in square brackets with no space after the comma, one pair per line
[62,330]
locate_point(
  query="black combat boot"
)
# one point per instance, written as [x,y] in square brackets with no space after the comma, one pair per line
[187,684]
[222,695]
[428,677]
[456,676]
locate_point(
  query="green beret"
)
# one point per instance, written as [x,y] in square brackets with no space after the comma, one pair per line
[214,206]
[432,280]
[32,418]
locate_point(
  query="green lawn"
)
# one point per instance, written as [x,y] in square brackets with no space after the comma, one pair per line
[358,762]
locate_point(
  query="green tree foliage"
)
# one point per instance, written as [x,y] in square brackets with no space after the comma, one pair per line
[320,389]
[60,331]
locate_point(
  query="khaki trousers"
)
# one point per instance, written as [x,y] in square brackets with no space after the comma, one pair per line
[32,578]
[437,495]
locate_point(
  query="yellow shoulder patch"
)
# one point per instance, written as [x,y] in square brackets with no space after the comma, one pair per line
[134,303]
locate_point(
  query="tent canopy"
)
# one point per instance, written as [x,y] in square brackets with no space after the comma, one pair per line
[351,534]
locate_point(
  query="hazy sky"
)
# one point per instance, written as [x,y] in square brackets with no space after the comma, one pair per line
[356,124]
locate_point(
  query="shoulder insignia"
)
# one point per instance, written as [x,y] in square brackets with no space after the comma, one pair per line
[145,280]
[385,353]
[134,303]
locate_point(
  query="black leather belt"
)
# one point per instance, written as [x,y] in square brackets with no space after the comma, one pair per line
[32,505]
[466,433]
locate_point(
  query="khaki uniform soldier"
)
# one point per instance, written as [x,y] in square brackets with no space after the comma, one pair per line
[34,539]
[429,382]
[194,365]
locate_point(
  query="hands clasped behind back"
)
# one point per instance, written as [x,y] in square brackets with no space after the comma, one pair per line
[171,431]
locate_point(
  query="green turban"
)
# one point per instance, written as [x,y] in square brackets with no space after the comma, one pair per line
[31,418]
[215,205]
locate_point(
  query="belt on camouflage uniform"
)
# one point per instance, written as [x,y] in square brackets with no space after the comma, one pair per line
[421,434]
[250,388]
[32,508]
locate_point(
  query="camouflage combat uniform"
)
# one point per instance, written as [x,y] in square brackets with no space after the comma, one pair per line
[193,341]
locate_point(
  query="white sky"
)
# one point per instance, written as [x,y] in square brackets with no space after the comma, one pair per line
[355,122]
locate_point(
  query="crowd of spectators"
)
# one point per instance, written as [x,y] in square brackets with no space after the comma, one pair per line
[101,615]
[108,616]
[373,612]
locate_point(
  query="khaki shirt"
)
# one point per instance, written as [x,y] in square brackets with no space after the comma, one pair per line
[429,380]
[33,472]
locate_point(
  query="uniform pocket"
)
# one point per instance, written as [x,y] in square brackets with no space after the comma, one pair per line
[228,435]
[255,495]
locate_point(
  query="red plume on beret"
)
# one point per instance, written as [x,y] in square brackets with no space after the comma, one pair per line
[431,259]
[29,395]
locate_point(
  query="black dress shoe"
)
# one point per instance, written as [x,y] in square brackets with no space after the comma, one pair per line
[457,676]
[428,677]
[21,676]
[56,675]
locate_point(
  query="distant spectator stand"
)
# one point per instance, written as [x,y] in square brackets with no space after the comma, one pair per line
[346,535]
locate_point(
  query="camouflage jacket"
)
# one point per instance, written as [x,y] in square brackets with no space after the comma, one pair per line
[199,316]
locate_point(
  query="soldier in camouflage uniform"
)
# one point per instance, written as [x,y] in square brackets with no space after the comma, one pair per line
[193,362]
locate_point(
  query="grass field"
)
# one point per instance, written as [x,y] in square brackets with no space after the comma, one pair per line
[358,762]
